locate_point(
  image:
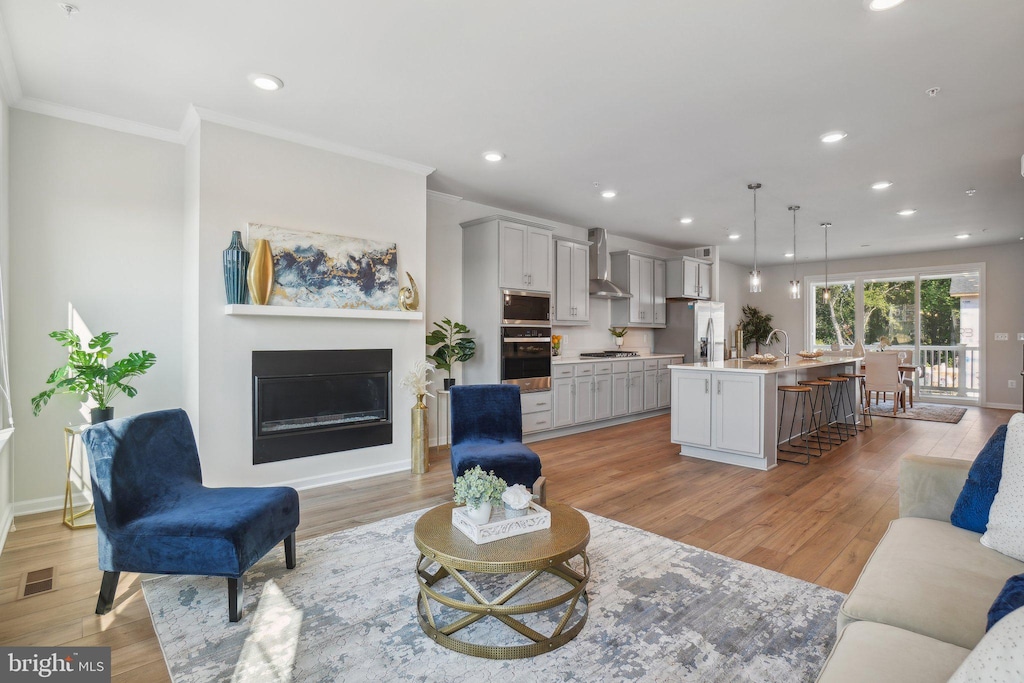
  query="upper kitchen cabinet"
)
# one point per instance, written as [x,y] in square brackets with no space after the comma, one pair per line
[689,278]
[524,255]
[647,287]
[572,282]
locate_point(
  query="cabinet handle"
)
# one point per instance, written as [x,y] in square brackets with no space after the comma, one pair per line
[707,386]
[719,387]
[542,404]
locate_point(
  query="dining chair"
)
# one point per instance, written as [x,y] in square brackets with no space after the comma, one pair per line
[883,376]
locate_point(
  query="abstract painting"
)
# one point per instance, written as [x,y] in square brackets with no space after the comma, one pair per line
[321,270]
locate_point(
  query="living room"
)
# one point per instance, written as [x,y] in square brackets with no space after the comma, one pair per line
[120,196]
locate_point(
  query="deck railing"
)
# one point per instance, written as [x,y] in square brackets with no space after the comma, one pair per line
[945,370]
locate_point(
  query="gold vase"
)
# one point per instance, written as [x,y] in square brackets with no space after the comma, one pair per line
[420,437]
[261,273]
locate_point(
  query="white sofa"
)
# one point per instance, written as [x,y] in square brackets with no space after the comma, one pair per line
[921,602]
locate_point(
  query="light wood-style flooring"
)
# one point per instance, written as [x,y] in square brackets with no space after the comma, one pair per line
[818,523]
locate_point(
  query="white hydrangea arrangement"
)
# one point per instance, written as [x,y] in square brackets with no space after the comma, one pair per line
[476,486]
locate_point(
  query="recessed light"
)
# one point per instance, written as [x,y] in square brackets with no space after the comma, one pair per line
[493,156]
[686,221]
[608,194]
[882,5]
[882,185]
[833,136]
[266,81]
[68,9]
[962,236]
[933,92]
[734,237]
[788,255]
[971,192]
[907,212]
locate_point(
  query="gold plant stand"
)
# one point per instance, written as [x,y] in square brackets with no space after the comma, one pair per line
[71,517]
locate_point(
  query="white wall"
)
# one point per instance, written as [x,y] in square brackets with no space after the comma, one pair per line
[95,225]
[6,492]
[1004,303]
[244,177]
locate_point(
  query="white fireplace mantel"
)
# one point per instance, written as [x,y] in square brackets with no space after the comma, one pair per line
[301,312]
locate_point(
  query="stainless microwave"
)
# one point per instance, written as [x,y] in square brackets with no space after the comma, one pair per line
[525,308]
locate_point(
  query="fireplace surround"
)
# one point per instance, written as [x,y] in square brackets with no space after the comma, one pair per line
[313,402]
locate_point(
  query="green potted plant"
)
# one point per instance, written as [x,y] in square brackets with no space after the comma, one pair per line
[619,333]
[86,372]
[453,346]
[756,326]
[479,490]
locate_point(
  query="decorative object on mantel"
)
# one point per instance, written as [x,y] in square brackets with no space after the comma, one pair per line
[321,270]
[619,333]
[261,273]
[454,347]
[236,270]
[86,372]
[556,345]
[416,382]
[409,297]
[479,490]
[755,326]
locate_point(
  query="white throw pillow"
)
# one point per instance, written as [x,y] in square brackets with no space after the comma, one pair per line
[999,656]
[1005,533]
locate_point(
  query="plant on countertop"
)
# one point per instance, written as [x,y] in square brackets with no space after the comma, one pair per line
[619,332]
[454,347]
[86,372]
[756,327]
[475,487]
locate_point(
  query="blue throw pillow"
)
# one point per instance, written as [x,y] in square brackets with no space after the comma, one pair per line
[1009,599]
[972,506]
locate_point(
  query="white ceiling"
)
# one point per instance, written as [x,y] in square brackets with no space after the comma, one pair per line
[676,105]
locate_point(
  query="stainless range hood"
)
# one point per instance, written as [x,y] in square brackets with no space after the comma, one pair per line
[601,285]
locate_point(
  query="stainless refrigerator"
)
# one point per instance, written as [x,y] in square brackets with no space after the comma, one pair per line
[693,328]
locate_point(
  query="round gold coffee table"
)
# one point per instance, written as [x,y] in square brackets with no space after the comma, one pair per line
[534,554]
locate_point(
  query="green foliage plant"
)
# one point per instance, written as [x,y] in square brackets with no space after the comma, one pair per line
[86,371]
[756,326]
[475,487]
[619,332]
[453,346]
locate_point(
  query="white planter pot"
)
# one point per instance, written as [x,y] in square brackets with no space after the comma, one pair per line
[480,515]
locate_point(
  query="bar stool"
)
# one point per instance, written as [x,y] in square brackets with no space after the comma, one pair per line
[865,409]
[839,402]
[821,401]
[800,401]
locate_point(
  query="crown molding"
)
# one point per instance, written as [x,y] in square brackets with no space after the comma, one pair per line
[10,84]
[442,197]
[189,125]
[311,141]
[62,111]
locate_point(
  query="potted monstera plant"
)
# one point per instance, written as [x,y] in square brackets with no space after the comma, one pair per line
[86,372]
[453,346]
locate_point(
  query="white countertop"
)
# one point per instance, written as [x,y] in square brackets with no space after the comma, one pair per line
[559,360]
[744,365]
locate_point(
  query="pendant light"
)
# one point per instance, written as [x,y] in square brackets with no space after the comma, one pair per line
[794,284]
[755,274]
[827,294]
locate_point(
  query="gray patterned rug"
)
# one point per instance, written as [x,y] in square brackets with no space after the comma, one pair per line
[929,412]
[660,611]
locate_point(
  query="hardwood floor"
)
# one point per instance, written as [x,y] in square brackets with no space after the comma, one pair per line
[818,523]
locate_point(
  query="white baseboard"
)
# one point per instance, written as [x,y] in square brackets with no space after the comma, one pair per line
[348,475]
[6,522]
[1004,406]
[48,504]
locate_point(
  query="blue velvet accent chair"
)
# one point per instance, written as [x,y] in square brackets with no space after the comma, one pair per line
[154,516]
[487,430]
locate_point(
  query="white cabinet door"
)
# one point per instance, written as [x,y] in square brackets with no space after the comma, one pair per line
[563,398]
[580,282]
[646,291]
[635,302]
[704,280]
[636,392]
[664,388]
[563,281]
[738,412]
[691,273]
[538,260]
[620,394]
[512,255]
[659,292]
[602,397]
[650,390]
[584,402]
[691,408]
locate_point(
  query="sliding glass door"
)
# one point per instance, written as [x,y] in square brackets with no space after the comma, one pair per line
[950,354]
[835,316]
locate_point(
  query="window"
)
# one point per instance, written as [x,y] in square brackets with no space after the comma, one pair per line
[835,320]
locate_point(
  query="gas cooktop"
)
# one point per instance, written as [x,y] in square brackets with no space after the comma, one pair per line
[610,354]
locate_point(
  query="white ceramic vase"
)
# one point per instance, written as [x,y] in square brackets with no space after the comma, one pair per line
[618,341]
[480,515]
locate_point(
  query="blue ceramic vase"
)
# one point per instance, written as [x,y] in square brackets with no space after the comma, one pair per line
[236,263]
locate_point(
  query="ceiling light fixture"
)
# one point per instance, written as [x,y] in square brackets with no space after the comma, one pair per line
[932,92]
[794,284]
[971,192]
[68,9]
[266,82]
[826,293]
[962,236]
[882,185]
[882,5]
[686,221]
[734,236]
[907,212]
[493,156]
[789,255]
[833,136]
[608,194]
[755,274]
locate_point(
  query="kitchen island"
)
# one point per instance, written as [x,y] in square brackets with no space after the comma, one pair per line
[727,411]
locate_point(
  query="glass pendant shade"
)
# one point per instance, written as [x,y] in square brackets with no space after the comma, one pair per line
[794,284]
[826,295]
[755,281]
[794,289]
[755,274]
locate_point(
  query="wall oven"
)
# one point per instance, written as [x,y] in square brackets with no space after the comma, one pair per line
[525,308]
[526,357]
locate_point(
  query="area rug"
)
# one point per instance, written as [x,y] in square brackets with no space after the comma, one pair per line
[659,611]
[929,412]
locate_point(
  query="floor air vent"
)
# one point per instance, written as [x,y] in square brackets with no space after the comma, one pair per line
[38,581]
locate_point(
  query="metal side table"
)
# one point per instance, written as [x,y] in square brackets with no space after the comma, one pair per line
[70,519]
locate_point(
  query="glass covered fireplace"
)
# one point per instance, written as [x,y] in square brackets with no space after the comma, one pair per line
[314,402]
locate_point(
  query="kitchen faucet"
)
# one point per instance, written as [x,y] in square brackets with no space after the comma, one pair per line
[774,333]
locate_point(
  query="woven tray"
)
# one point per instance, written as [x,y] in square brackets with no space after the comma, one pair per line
[536,519]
